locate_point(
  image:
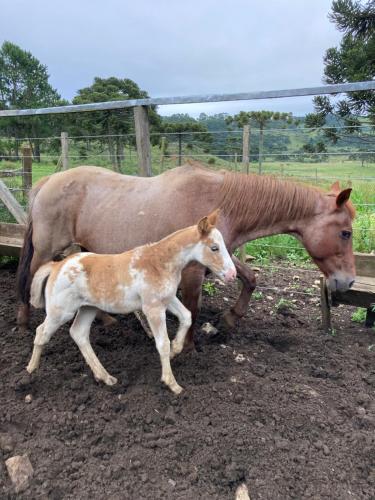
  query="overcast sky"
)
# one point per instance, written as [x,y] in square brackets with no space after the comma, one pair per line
[175,47]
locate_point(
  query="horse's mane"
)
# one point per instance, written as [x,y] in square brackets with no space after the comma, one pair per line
[258,201]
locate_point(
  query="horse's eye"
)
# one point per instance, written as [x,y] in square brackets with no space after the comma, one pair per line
[345,235]
[215,248]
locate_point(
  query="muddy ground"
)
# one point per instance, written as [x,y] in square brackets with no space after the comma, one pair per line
[277,404]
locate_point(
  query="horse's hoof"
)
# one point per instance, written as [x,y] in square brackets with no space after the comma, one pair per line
[229,320]
[189,347]
[108,321]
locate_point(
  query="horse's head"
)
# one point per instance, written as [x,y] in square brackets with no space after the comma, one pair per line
[211,249]
[328,238]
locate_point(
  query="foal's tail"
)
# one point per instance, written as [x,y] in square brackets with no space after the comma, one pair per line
[38,285]
[23,278]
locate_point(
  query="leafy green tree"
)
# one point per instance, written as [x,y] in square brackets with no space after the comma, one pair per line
[113,123]
[353,60]
[24,84]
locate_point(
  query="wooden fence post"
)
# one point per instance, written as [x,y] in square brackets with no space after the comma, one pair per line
[162,157]
[27,169]
[245,148]
[142,136]
[64,151]
[245,167]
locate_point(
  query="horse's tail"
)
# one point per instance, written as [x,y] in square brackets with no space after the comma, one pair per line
[38,285]
[23,280]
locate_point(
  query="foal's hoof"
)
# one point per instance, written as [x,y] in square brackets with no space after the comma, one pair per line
[176,389]
[110,380]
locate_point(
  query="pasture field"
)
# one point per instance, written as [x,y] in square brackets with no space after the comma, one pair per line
[275,403]
[323,174]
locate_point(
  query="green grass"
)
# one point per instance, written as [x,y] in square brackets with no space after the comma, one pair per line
[322,174]
[359,315]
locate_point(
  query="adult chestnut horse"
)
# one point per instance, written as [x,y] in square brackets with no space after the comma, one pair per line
[106,212]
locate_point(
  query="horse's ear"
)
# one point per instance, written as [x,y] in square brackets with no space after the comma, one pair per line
[343,197]
[213,217]
[335,188]
[204,226]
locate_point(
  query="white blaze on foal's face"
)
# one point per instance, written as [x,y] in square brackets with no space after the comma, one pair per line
[211,249]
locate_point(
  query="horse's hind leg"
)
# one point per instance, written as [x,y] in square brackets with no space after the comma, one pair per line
[23,313]
[80,333]
[191,288]
[43,335]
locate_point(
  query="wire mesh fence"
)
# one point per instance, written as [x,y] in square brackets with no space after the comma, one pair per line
[351,161]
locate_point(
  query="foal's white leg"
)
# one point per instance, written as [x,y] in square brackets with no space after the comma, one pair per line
[184,317]
[80,333]
[156,320]
[44,333]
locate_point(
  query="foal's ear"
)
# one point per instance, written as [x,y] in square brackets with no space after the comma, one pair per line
[343,197]
[206,224]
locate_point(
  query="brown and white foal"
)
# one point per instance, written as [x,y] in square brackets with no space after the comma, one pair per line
[145,278]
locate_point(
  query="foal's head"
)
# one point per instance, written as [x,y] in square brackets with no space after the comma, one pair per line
[328,238]
[211,250]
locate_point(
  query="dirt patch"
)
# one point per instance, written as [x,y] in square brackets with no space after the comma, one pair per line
[277,404]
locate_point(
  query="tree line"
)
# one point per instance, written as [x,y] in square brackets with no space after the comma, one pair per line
[24,83]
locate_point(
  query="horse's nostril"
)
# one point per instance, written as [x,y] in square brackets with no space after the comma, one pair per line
[351,283]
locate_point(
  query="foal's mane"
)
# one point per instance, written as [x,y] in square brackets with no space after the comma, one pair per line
[258,201]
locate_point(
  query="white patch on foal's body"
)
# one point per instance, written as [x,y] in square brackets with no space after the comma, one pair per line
[146,282]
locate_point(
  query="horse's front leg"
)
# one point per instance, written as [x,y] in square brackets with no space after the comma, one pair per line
[157,321]
[248,279]
[191,289]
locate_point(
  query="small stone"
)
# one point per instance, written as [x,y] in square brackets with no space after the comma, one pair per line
[318,444]
[240,358]
[170,416]
[226,299]
[28,398]
[259,370]
[242,493]
[361,411]
[325,449]
[238,398]
[20,472]
[6,442]
[363,399]
[135,464]
[172,483]
[249,257]
[282,444]
[295,278]
[209,329]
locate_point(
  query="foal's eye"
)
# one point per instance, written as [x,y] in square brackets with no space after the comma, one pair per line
[215,248]
[345,235]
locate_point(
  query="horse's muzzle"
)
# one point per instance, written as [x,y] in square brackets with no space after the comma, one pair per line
[340,283]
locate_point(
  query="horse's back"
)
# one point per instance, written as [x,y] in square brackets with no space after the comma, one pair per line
[108,212]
